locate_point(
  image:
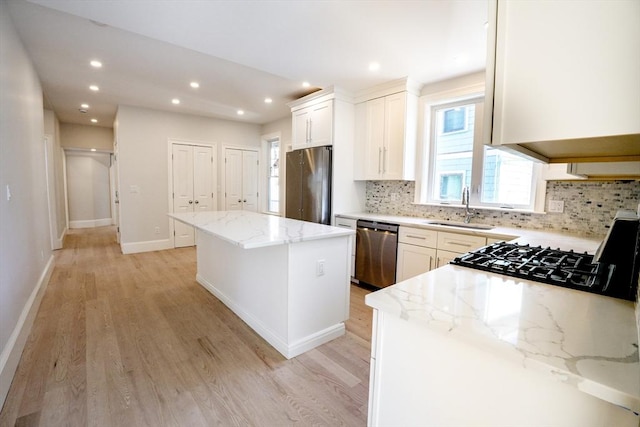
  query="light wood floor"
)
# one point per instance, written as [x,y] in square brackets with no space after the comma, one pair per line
[133,340]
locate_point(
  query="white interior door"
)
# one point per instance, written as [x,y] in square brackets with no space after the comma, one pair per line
[250,180]
[233,179]
[183,200]
[203,178]
[241,179]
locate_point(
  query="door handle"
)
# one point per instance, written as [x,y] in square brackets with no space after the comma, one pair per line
[197,202]
[190,202]
[244,201]
[239,201]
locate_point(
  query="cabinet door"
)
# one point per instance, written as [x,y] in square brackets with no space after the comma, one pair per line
[301,128]
[444,257]
[414,260]
[374,138]
[555,63]
[321,124]
[394,136]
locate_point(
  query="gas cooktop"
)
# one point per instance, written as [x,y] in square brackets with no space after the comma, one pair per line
[552,266]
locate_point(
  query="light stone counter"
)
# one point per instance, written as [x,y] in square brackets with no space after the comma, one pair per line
[251,230]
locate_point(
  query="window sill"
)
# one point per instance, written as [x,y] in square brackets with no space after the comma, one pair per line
[481,208]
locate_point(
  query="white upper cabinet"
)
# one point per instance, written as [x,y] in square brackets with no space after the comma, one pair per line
[565,78]
[386,132]
[313,125]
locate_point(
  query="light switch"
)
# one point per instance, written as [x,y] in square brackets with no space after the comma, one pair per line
[134,189]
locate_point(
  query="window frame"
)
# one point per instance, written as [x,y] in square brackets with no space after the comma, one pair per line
[424,180]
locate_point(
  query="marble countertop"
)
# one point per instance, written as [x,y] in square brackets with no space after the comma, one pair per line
[585,340]
[561,241]
[254,230]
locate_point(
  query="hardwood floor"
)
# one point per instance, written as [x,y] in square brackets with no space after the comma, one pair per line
[134,340]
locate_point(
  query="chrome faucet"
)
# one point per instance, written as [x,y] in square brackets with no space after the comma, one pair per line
[468,213]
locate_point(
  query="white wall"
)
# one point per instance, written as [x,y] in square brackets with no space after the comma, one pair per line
[25,244]
[52,127]
[88,189]
[142,136]
[85,136]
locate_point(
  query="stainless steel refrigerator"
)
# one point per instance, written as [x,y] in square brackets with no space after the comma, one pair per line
[308,185]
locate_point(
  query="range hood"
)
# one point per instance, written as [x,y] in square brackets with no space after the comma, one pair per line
[617,148]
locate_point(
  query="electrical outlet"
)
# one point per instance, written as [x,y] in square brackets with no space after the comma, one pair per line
[157,230]
[556,206]
[320,267]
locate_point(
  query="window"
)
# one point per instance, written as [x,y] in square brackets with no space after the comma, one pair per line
[457,158]
[273,176]
[454,120]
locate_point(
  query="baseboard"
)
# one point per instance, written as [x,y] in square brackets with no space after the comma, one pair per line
[57,244]
[152,245]
[90,223]
[12,352]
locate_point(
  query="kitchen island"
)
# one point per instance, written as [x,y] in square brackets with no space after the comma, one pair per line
[287,279]
[457,346]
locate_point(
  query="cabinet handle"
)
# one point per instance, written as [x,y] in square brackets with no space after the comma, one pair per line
[343,225]
[466,245]
[384,160]
[413,236]
[430,263]
[379,159]
[310,125]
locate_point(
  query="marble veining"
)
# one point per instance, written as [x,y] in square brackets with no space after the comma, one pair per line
[585,340]
[253,230]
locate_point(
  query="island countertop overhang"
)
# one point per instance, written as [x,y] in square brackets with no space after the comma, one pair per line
[254,230]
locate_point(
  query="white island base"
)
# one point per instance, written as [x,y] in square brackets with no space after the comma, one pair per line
[287,279]
[276,290]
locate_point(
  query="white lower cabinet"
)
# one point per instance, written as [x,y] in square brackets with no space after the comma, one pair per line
[416,252]
[421,250]
[350,224]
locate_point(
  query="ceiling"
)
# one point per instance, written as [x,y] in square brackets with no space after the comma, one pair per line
[240,52]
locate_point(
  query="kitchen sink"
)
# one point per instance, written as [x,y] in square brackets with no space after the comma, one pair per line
[461,225]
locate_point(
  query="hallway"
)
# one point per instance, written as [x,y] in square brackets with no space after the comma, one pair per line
[134,340]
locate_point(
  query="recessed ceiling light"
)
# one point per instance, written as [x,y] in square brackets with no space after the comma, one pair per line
[84,105]
[96,64]
[94,88]
[94,120]
[374,66]
[194,85]
[240,112]
[93,149]
[305,84]
[268,100]
[175,101]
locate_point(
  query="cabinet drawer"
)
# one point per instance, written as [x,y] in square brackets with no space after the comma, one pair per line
[418,237]
[459,242]
[346,223]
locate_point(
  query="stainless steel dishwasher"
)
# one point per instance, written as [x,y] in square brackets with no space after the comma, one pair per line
[376,251]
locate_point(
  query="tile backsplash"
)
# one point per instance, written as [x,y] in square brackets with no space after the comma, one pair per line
[589,206]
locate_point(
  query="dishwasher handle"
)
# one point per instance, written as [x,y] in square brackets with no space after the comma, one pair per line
[378,226]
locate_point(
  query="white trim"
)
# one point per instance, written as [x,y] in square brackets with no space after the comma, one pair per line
[265,140]
[90,223]
[149,246]
[10,356]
